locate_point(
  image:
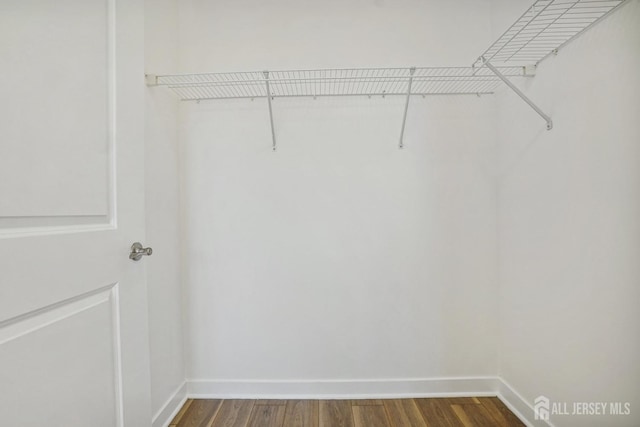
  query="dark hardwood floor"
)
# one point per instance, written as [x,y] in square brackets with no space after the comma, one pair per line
[441,412]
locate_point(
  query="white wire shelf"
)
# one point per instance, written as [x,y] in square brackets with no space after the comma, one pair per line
[546,27]
[337,82]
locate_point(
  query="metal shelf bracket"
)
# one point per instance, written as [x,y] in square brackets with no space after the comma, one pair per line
[412,71]
[273,132]
[518,92]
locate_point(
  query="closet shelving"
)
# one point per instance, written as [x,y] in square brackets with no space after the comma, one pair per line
[405,82]
[546,27]
[543,29]
[337,82]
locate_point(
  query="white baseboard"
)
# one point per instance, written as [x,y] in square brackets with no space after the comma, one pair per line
[348,389]
[342,389]
[171,407]
[518,405]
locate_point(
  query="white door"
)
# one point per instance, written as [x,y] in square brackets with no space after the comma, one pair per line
[73,314]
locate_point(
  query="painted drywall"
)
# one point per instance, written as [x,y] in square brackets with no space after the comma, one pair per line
[569,226]
[162,208]
[338,257]
[248,35]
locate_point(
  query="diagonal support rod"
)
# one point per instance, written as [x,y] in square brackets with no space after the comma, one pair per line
[273,132]
[406,106]
[519,93]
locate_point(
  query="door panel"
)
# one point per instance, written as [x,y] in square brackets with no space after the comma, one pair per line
[82,342]
[56,89]
[73,313]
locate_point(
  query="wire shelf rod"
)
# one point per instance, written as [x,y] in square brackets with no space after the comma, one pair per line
[422,95]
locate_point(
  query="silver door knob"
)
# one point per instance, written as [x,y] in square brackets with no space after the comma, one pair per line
[138,251]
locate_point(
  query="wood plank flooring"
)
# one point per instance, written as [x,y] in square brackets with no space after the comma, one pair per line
[441,412]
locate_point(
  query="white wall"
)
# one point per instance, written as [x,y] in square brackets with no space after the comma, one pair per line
[339,257]
[246,35]
[162,209]
[569,226]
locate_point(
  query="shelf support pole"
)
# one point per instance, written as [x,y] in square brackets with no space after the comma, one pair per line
[518,92]
[406,106]
[273,132]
